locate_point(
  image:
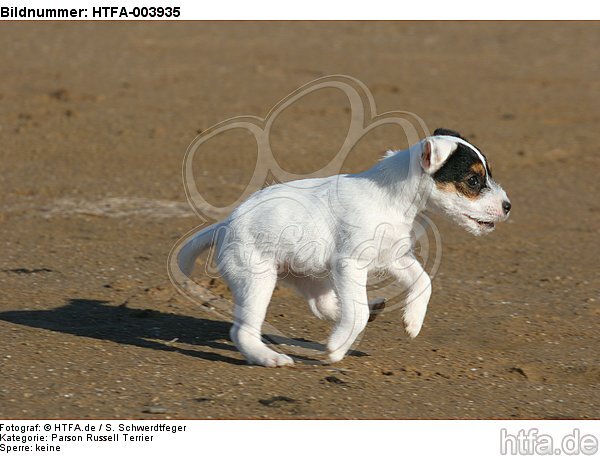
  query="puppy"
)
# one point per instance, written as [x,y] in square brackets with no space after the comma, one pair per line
[324,236]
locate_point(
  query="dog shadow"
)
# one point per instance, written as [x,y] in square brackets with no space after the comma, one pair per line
[138,327]
[144,328]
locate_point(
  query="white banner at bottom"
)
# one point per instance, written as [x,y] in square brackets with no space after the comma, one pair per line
[290,438]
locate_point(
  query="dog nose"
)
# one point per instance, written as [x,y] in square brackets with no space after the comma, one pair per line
[506,206]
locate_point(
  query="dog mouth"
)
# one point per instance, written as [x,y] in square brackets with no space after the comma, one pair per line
[485,224]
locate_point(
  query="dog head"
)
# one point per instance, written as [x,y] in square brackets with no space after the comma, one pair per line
[463,187]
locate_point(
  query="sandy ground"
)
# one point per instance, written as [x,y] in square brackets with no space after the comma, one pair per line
[95,119]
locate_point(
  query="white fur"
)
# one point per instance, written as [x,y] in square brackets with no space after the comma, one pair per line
[323,236]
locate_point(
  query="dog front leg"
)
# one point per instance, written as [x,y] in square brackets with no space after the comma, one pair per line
[350,283]
[409,272]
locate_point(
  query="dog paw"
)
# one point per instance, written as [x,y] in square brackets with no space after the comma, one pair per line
[273,360]
[335,356]
[413,319]
[413,327]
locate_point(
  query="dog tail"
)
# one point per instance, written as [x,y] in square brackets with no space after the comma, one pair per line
[192,247]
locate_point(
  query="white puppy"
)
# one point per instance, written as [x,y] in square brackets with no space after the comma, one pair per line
[323,236]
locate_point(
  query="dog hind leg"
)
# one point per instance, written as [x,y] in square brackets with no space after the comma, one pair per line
[252,295]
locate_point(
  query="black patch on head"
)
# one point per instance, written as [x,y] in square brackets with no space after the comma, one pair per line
[445,132]
[464,170]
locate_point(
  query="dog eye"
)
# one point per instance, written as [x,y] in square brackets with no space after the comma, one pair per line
[473,181]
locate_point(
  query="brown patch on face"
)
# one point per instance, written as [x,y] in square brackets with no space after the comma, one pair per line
[447,187]
[462,186]
[478,168]
[458,187]
[467,191]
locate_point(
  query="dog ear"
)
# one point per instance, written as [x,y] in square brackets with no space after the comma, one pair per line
[435,152]
[445,132]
